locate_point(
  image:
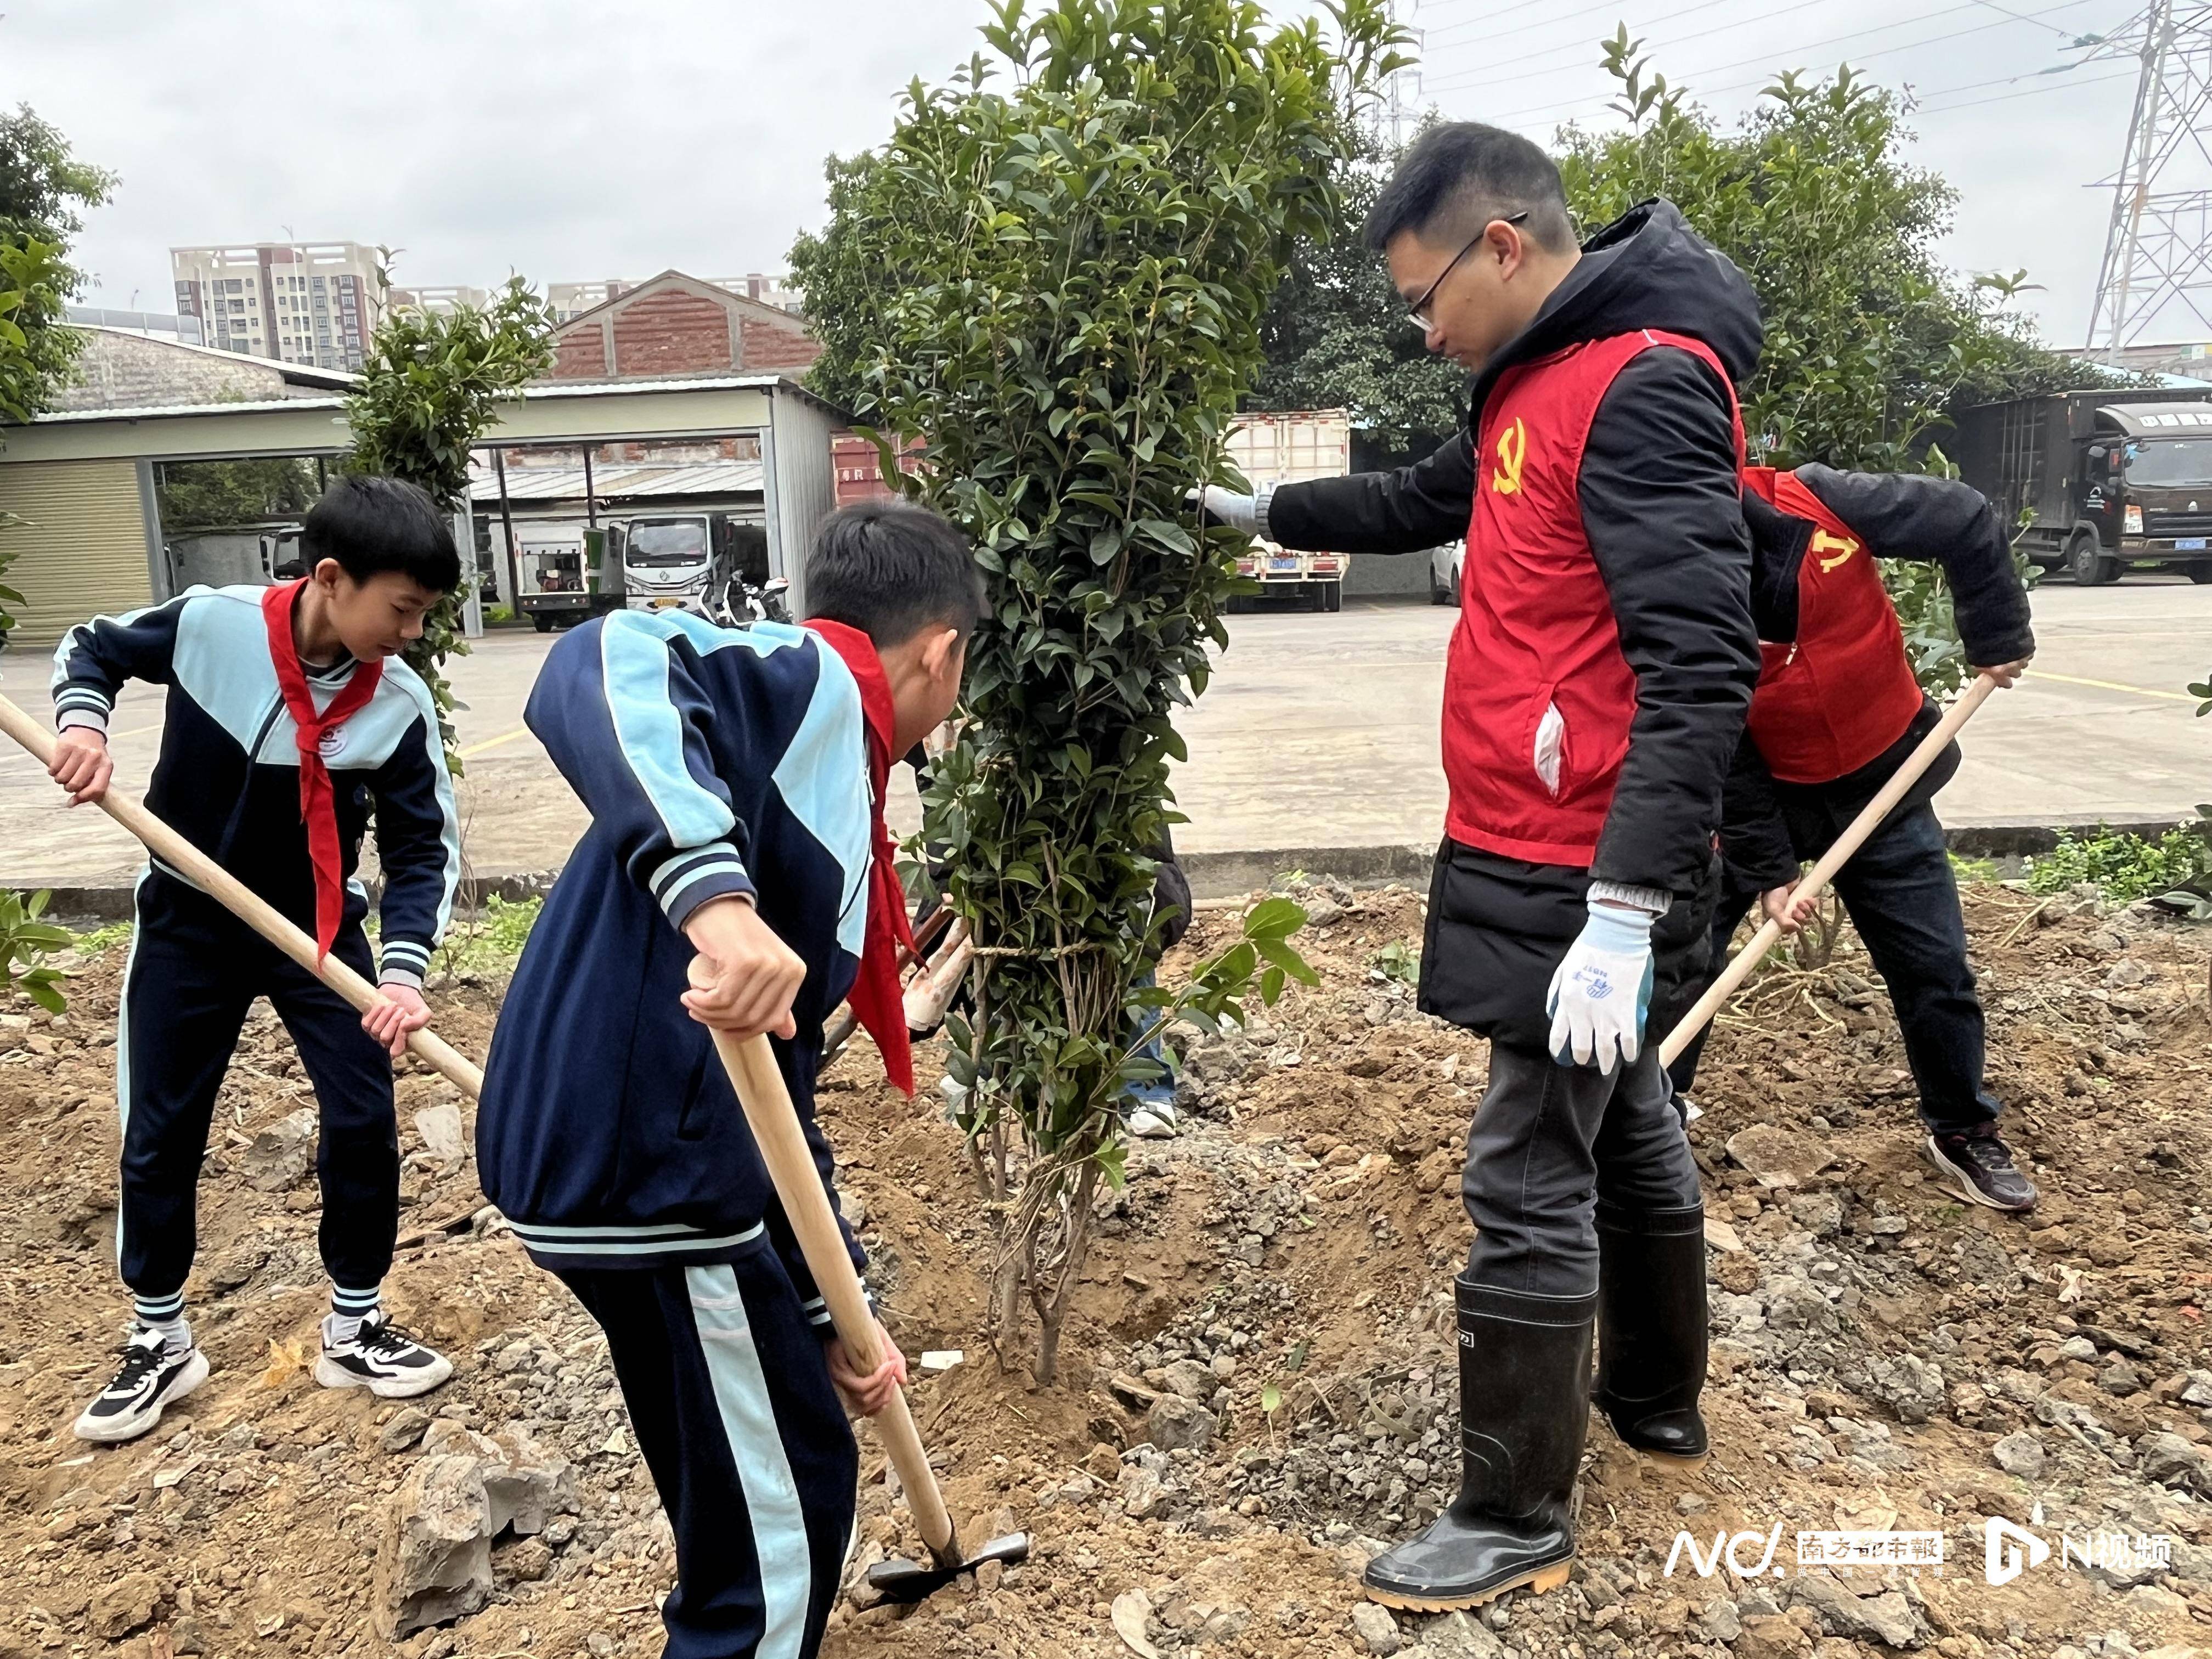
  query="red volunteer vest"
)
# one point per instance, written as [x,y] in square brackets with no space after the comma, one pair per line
[1538,698]
[1844,691]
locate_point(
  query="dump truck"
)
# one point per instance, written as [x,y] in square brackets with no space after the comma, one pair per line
[2103,479]
[1290,447]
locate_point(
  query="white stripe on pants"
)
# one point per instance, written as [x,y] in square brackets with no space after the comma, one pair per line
[779,1526]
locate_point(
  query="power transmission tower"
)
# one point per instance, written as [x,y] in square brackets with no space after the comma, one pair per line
[2158,250]
[1399,107]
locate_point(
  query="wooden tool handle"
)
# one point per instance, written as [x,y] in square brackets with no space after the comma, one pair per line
[257,913]
[774,1123]
[1816,881]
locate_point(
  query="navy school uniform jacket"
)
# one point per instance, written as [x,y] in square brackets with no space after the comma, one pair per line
[228,775]
[714,762]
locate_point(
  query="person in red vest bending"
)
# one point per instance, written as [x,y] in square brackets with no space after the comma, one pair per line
[1837,710]
[1595,688]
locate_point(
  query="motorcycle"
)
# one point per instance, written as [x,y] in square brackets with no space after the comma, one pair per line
[736,602]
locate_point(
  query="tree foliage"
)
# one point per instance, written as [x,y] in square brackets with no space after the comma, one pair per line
[1059,287]
[26,942]
[1871,340]
[42,186]
[211,495]
[432,385]
[1337,336]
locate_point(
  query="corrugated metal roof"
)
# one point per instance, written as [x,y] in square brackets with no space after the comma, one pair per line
[162,412]
[780,385]
[617,483]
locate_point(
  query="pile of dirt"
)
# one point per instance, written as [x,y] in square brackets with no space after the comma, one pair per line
[1258,1382]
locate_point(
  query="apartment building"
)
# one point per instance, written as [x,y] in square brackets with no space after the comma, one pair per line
[437,299]
[315,303]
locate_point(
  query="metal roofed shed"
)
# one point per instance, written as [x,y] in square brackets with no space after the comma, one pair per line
[82,482]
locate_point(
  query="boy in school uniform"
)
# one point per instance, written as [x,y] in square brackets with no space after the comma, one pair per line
[289,720]
[737,876]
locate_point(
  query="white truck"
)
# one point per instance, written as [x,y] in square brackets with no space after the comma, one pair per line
[686,560]
[562,575]
[1290,447]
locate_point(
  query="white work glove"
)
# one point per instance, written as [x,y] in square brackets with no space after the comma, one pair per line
[1238,511]
[1602,990]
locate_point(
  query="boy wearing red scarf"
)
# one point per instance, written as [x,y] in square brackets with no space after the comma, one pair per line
[737,875]
[289,719]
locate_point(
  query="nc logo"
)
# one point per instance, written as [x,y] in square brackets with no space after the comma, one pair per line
[2002,1560]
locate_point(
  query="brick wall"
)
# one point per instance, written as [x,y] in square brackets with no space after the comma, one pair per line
[673,332]
[768,346]
[580,355]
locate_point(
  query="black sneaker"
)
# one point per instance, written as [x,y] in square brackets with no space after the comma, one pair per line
[1981,1165]
[151,1379]
[382,1358]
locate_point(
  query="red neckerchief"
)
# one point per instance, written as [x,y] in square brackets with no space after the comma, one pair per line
[877,999]
[317,805]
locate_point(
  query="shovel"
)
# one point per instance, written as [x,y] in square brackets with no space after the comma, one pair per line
[783,1148]
[257,913]
[768,1112]
[1816,880]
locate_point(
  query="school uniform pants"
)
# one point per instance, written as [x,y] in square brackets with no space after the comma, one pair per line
[729,1394]
[193,972]
[1900,894]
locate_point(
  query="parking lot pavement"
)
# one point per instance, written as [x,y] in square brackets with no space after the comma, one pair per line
[1318,730]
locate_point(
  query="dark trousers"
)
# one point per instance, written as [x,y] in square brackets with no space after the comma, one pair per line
[1901,895]
[1548,1141]
[729,1394]
[194,971]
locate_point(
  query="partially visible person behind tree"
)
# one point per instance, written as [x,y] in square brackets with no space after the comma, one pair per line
[1836,711]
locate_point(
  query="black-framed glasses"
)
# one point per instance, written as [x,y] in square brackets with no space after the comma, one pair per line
[1418,311]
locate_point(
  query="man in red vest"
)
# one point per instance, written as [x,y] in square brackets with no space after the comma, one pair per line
[1837,710]
[1596,689]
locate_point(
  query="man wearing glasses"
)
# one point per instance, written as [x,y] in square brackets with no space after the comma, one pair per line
[1595,692]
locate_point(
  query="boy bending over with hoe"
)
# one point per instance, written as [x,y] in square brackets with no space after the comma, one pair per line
[289,719]
[736,875]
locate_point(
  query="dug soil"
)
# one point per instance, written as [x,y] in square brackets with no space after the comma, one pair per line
[1258,1383]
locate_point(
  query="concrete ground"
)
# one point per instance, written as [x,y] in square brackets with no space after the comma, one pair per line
[1317,731]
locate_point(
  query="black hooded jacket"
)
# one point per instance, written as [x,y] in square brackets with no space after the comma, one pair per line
[1662,505]
[1661,499]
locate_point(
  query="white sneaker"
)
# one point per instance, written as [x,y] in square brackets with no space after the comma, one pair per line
[151,1379]
[382,1358]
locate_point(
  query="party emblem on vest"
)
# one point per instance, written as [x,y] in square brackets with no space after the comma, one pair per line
[1512,450]
[1824,543]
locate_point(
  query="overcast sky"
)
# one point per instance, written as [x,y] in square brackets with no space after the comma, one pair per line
[574,141]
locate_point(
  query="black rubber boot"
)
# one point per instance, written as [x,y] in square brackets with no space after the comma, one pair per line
[1651,1328]
[1524,1365]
